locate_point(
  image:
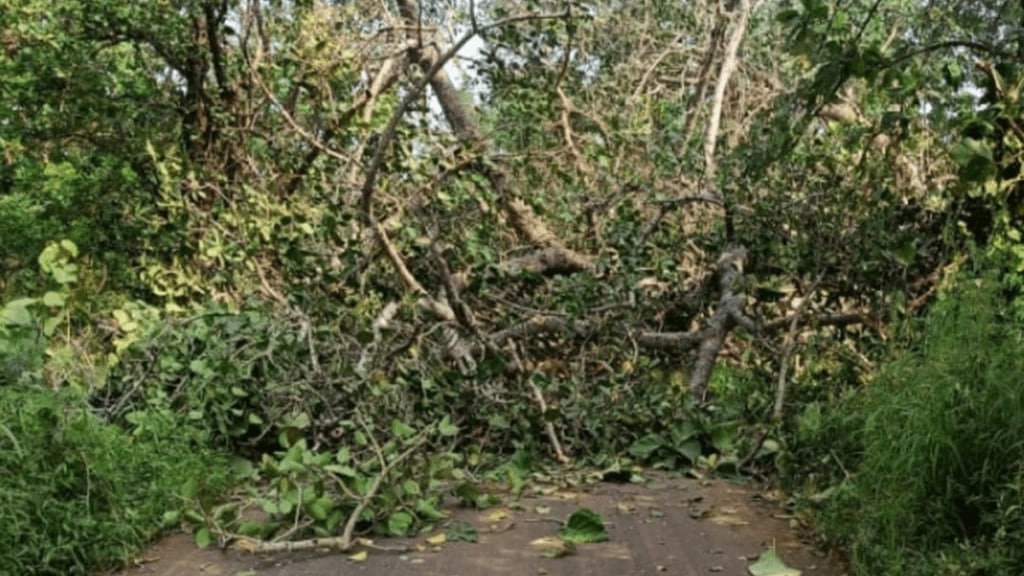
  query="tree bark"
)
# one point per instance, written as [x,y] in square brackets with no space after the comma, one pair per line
[556,257]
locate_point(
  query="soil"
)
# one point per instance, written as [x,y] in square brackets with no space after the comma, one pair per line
[668,525]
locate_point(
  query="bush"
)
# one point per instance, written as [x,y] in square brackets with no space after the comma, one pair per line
[939,487]
[237,376]
[86,495]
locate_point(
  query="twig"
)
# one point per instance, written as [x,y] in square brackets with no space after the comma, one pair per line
[549,428]
[780,386]
[787,351]
[672,47]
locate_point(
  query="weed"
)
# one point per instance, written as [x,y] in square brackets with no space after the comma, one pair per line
[938,486]
[86,495]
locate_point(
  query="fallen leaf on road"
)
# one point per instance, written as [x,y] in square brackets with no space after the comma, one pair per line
[728,520]
[358,556]
[769,564]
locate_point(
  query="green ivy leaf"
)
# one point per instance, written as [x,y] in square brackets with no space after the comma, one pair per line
[690,450]
[67,274]
[584,527]
[341,470]
[426,509]
[411,488]
[974,157]
[69,247]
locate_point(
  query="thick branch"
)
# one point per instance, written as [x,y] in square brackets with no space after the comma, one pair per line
[467,130]
[729,314]
[724,75]
[541,324]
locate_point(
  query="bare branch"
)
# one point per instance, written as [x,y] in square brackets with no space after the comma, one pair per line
[724,75]
[728,314]
[787,351]
[466,129]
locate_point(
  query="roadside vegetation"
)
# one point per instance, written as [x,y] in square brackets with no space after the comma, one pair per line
[274,271]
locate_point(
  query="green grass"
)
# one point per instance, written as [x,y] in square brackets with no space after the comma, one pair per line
[78,495]
[939,487]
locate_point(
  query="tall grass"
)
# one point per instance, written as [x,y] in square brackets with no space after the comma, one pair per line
[78,495]
[939,487]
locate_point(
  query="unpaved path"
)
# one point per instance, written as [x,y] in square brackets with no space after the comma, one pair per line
[670,525]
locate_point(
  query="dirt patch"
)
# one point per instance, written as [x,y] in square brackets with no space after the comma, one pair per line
[669,525]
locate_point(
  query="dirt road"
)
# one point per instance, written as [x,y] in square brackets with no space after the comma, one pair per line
[669,525]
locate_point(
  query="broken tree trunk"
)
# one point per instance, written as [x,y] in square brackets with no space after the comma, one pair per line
[553,255]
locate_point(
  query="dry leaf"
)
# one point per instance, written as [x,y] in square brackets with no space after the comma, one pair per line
[358,556]
[547,542]
[727,520]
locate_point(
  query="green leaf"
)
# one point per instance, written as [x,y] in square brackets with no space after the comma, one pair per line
[584,527]
[463,531]
[411,488]
[251,528]
[953,74]
[769,564]
[401,429]
[17,313]
[54,299]
[689,450]
[426,509]
[787,16]
[341,470]
[400,523]
[298,420]
[69,247]
[723,436]
[645,447]
[974,157]
[203,538]
[684,431]
[467,493]
[446,428]
[171,518]
[270,507]
[319,508]
[50,325]
[67,274]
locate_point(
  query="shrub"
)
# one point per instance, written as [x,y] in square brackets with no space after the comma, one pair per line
[939,487]
[85,495]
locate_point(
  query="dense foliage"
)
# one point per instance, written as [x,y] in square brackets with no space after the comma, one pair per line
[385,252]
[79,494]
[934,446]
